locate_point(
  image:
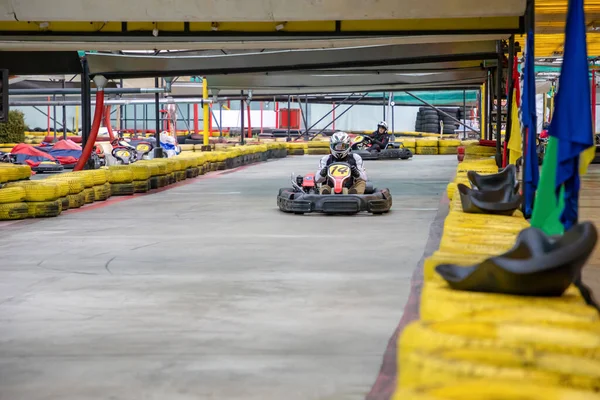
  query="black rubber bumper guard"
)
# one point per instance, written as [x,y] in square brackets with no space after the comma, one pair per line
[299,203]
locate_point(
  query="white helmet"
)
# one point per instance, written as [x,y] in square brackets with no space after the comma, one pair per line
[340,145]
[383,125]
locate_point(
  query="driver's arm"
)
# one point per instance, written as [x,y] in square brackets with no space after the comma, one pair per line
[322,164]
[360,166]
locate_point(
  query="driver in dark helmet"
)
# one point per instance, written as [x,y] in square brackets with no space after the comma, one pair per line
[380,138]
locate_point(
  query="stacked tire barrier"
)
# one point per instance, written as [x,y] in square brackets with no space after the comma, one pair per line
[22,198]
[477,345]
[428,120]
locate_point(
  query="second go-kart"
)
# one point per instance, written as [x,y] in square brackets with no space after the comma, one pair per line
[394,150]
[305,197]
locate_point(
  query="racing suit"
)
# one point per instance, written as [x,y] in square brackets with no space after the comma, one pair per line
[380,141]
[357,184]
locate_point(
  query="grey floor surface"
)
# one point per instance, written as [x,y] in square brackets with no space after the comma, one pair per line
[207,291]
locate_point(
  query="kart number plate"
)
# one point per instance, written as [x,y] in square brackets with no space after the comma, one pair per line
[123,153]
[339,171]
[143,147]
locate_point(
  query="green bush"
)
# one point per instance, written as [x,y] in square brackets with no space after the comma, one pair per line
[13,131]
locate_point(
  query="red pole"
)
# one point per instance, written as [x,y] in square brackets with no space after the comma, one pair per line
[196,118]
[333,116]
[261,117]
[276,115]
[48,113]
[594,101]
[249,123]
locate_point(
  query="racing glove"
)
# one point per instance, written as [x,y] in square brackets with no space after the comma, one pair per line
[323,172]
[355,171]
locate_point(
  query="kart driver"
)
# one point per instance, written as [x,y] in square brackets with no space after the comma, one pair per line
[340,152]
[380,138]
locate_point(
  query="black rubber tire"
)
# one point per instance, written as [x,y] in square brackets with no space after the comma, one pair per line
[431,128]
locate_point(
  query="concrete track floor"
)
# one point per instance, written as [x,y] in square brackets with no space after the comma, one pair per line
[207,291]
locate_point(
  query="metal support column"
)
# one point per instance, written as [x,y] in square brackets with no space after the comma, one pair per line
[509,97]
[499,105]
[64,115]
[122,109]
[392,104]
[304,120]
[54,116]
[242,117]
[134,119]
[289,119]
[145,115]
[158,153]
[464,113]
[86,104]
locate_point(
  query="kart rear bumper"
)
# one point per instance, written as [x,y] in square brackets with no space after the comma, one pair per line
[296,202]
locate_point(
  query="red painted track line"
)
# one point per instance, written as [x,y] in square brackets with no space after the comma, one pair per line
[115,200]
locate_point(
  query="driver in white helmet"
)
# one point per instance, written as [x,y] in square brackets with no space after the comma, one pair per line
[340,152]
[380,138]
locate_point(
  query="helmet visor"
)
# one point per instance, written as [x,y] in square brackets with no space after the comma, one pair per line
[341,146]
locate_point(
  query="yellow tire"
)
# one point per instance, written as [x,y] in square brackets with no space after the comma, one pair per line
[12,195]
[187,147]
[122,189]
[12,172]
[74,183]
[88,195]
[426,142]
[13,211]
[584,341]
[65,204]
[140,172]
[427,150]
[86,178]
[101,192]
[99,176]
[44,209]
[118,176]
[38,191]
[141,186]
[480,150]
[487,389]
[447,150]
[449,143]
[76,200]
[447,366]
[317,151]
[180,176]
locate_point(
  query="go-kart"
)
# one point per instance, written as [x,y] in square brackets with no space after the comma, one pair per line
[126,153]
[362,144]
[305,197]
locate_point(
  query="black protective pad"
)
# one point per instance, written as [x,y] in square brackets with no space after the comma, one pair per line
[292,201]
[494,181]
[537,265]
[503,201]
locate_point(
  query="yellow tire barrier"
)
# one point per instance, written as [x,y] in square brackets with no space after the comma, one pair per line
[426,150]
[487,389]
[12,172]
[187,147]
[447,366]
[180,176]
[12,195]
[524,337]
[317,151]
[448,150]
[13,211]
[44,209]
[141,186]
[38,191]
[99,176]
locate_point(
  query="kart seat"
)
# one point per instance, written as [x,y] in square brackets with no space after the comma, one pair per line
[493,181]
[502,201]
[537,265]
